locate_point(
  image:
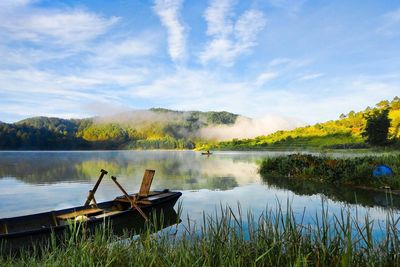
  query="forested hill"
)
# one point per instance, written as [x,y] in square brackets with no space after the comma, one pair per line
[148,129]
[349,131]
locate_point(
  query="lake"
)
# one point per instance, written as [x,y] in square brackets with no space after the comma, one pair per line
[32,182]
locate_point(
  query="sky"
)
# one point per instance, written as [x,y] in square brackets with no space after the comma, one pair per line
[305,61]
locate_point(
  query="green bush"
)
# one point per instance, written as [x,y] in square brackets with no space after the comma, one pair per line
[355,171]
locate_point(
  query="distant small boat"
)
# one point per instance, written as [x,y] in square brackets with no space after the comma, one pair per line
[206,153]
[127,212]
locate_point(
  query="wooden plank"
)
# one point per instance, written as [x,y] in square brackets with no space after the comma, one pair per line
[146,200]
[107,214]
[78,213]
[143,202]
[123,199]
[146,183]
[140,201]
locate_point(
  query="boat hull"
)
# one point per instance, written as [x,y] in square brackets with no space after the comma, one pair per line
[129,221]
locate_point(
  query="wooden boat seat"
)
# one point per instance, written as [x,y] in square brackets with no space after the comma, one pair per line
[106,214]
[148,200]
[125,200]
[74,214]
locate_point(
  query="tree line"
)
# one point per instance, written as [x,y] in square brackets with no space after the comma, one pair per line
[43,133]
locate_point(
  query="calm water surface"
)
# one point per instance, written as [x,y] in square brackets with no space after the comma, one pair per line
[32,182]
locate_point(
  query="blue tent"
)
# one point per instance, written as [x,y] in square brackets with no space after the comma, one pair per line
[382,170]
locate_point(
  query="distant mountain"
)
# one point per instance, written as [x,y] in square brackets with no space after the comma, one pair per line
[156,128]
[342,133]
[160,128]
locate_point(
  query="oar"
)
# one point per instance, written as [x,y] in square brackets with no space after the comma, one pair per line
[93,191]
[133,204]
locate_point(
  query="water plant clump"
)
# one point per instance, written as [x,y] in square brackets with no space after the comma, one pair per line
[232,238]
[351,171]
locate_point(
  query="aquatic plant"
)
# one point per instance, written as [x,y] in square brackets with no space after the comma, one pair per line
[231,237]
[352,171]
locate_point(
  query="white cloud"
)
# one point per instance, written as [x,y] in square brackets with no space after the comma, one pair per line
[349,94]
[130,48]
[28,56]
[184,84]
[53,94]
[289,63]
[168,11]
[60,27]
[91,85]
[206,90]
[218,16]
[280,61]
[103,77]
[310,76]
[249,24]
[265,77]
[196,90]
[100,68]
[230,39]
[7,5]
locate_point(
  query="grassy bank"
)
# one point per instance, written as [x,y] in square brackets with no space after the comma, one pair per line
[344,133]
[275,238]
[350,171]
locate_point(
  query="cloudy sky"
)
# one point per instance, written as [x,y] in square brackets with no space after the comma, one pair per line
[304,60]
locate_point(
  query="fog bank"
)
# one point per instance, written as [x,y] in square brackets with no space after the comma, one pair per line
[248,128]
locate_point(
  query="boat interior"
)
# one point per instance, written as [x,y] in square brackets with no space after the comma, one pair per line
[91,210]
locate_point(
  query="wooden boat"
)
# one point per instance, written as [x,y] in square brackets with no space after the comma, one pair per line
[126,213]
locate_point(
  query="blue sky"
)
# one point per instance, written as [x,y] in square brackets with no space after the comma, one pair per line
[303,61]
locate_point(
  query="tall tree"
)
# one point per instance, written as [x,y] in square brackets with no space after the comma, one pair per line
[395,103]
[377,127]
[383,104]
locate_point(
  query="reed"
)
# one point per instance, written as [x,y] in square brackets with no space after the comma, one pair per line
[352,171]
[231,237]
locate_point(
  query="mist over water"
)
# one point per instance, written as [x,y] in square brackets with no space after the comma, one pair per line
[249,128]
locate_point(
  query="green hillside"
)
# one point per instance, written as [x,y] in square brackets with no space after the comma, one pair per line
[151,129]
[346,132]
[160,128]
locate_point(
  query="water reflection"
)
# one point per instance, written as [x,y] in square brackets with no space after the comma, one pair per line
[32,182]
[344,194]
[177,170]
[56,180]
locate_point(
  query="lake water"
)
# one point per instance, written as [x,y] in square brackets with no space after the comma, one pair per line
[32,182]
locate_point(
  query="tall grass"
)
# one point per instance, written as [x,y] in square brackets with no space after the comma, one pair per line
[232,238]
[353,171]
